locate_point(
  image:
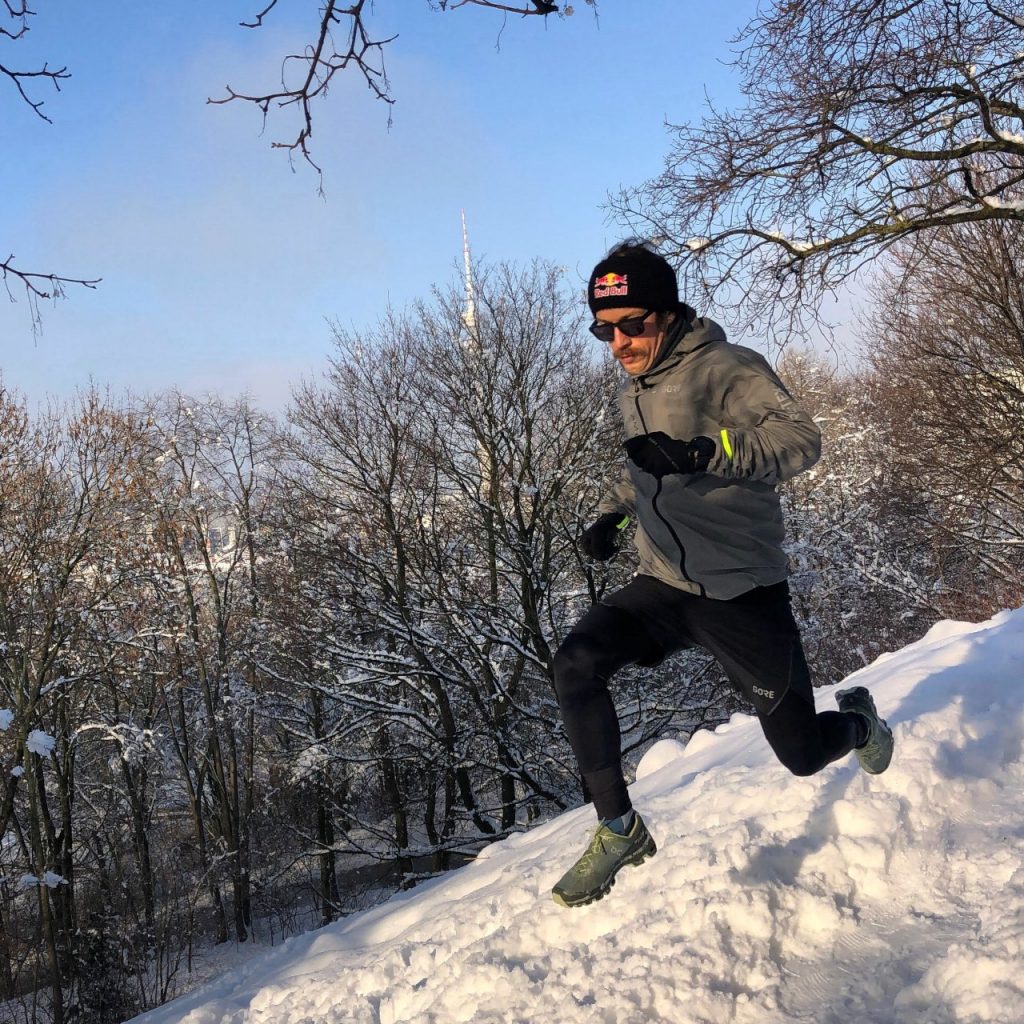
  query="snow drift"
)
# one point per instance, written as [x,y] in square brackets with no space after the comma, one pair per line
[838,898]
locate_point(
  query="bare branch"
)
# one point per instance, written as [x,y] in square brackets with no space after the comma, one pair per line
[323,59]
[42,286]
[259,17]
[18,12]
[19,77]
[305,78]
[539,7]
[39,287]
[321,62]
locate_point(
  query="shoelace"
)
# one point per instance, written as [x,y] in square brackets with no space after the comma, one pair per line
[596,843]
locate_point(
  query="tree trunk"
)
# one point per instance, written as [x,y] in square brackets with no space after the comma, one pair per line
[50,937]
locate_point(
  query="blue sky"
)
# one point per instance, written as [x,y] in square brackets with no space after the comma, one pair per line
[222,266]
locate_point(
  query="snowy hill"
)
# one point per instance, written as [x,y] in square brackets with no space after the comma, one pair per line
[839,898]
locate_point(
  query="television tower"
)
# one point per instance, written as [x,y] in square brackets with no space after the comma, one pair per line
[469,316]
[475,349]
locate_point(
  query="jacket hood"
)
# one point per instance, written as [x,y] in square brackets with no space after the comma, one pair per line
[689,332]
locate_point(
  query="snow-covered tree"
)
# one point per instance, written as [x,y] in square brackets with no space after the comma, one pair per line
[212,479]
[443,475]
[66,499]
[863,579]
[947,351]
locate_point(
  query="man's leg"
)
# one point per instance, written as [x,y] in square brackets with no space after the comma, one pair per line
[604,641]
[804,741]
[757,642]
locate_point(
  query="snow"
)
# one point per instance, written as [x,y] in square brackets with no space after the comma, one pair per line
[797,244]
[1003,204]
[1013,137]
[6,717]
[894,899]
[40,743]
[49,878]
[662,753]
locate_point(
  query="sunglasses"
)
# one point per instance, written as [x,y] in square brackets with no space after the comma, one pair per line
[632,327]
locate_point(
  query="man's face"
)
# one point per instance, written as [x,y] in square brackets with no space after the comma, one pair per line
[636,354]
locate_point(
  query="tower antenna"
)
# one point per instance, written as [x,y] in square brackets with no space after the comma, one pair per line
[469,316]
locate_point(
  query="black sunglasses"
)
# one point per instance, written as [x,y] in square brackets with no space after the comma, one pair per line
[632,327]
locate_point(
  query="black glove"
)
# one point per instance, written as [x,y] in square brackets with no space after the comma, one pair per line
[659,454]
[601,540]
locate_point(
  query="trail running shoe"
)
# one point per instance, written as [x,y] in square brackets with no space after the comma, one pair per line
[876,751]
[594,873]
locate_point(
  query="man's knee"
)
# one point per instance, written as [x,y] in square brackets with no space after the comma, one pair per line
[578,665]
[801,763]
[603,641]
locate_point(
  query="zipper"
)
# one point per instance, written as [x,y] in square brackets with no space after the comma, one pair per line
[654,502]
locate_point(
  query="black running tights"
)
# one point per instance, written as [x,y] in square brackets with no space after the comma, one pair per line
[606,640]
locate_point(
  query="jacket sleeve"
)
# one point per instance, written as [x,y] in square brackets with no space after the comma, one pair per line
[620,496]
[764,436]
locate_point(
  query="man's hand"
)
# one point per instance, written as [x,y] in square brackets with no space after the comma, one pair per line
[601,540]
[660,455]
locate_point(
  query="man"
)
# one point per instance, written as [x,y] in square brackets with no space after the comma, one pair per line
[711,431]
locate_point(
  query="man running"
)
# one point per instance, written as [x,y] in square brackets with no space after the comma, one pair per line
[710,431]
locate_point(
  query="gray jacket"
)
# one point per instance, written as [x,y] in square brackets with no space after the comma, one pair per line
[719,533]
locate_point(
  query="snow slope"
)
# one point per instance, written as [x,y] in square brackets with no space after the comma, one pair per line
[839,898]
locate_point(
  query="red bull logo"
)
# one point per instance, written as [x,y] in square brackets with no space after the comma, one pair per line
[611,284]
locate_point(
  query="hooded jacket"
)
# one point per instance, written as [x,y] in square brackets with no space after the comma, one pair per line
[717,534]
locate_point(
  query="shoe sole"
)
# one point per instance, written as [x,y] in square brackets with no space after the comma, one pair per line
[648,850]
[852,690]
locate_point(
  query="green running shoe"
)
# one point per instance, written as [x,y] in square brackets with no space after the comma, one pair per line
[594,873]
[876,752]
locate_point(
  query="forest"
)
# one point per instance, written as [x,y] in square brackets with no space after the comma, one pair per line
[257,672]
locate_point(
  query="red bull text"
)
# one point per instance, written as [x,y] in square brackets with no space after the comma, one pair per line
[611,284]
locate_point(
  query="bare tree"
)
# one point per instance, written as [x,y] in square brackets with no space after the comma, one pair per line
[63,518]
[448,469]
[862,568]
[213,476]
[947,346]
[854,113]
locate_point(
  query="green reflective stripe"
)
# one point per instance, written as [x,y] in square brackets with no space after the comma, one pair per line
[726,446]
[623,524]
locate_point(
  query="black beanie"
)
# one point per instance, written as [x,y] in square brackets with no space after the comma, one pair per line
[633,276]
